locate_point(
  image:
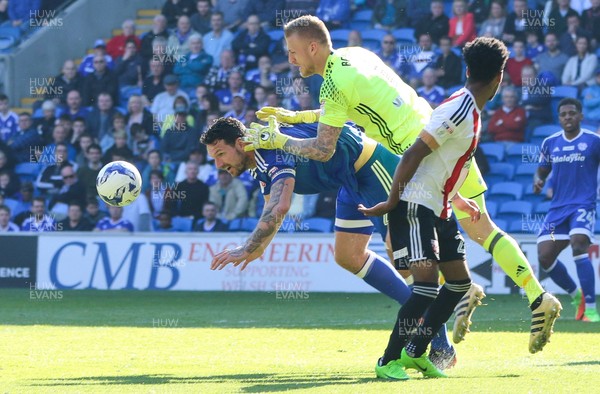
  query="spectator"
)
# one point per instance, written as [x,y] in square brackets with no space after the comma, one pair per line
[62,84]
[165,223]
[160,194]
[75,220]
[480,10]
[93,214]
[201,19]
[552,60]
[119,147]
[59,136]
[508,123]
[354,39]
[233,12]
[38,220]
[516,62]
[173,10]
[180,138]
[263,76]
[493,26]
[238,108]
[162,106]
[196,194]
[590,20]
[579,70]
[138,214]
[116,46]
[115,222]
[9,121]
[197,156]
[431,92]
[533,47]
[155,162]
[420,60]
[159,29]
[249,45]
[129,72]
[74,108]
[178,43]
[300,7]
[84,141]
[102,80]
[6,226]
[87,64]
[25,140]
[194,66]
[72,190]
[335,13]
[209,223]
[49,180]
[559,13]
[100,119]
[230,196]
[218,75]
[390,14]
[153,84]
[436,23]
[462,24]
[267,12]
[591,100]
[137,113]
[164,54]
[4,12]
[569,37]
[88,173]
[448,66]
[142,143]
[259,97]
[520,21]
[388,51]
[45,124]
[217,40]
[21,11]
[535,98]
[9,184]
[235,86]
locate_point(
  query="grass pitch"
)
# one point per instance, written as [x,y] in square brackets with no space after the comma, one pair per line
[165,342]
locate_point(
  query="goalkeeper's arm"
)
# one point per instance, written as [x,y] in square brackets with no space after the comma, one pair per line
[320,148]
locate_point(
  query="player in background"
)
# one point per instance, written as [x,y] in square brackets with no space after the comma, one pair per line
[424,234]
[358,86]
[362,171]
[572,156]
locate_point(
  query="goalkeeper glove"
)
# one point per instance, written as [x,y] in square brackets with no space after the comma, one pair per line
[286,116]
[264,137]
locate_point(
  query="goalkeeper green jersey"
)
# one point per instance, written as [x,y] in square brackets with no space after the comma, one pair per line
[358,86]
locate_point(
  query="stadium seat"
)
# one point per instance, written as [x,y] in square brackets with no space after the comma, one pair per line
[276,35]
[517,226]
[12,205]
[249,224]
[500,223]
[563,91]
[542,207]
[590,126]
[339,43]
[515,211]
[9,36]
[363,15]
[453,89]
[373,35]
[317,225]
[289,225]
[507,170]
[524,174]
[491,208]
[506,191]
[554,108]
[182,224]
[340,34]
[404,34]
[546,130]
[235,225]
[493,152]
[518,154]
[361,25]
[529,196]
[27,172]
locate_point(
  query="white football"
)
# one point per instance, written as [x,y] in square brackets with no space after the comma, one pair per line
[119,183]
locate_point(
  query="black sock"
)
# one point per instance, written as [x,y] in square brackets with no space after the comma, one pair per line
[438,313]
[537,302]
[423,294]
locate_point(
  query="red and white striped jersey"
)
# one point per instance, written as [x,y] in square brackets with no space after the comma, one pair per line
[452,133]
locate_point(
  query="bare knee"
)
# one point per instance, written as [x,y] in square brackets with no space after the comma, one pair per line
[352,262]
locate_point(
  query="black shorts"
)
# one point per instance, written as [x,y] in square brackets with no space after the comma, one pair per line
[417,234]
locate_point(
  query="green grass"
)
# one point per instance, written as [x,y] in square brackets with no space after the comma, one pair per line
[93,341]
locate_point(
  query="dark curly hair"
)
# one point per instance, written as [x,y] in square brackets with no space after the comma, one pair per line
[226,129]
[570,101]
[485,58]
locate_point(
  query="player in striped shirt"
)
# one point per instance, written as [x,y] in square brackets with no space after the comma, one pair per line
[424,235]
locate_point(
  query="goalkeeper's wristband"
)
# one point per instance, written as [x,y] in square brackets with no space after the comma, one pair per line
[307,116]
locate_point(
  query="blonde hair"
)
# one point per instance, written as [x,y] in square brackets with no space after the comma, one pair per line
[310,27]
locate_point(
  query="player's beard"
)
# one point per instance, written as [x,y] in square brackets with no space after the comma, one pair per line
[306,71]
[244,164]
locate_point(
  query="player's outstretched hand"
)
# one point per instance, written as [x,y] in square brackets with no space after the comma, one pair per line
[538,185]
[236,256]
[264,137]
[468,206]
[286,116]
[378,210]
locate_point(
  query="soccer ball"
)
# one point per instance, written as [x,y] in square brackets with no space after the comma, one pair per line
[119,183]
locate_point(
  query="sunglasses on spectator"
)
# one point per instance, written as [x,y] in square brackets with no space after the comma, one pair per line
[69,176]
[388,42]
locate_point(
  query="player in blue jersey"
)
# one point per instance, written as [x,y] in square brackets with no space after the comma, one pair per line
[115,222]
[572,156]
[362,171]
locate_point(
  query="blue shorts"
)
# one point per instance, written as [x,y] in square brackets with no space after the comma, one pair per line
[374,181]
[562,222]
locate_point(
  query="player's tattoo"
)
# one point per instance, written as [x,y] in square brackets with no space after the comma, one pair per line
[271,217]
[320,148]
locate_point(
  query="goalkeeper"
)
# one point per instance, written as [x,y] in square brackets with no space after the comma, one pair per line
[358,86]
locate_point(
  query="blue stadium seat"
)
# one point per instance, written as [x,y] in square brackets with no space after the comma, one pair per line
[183,224]
[517,227]
[340,34]
[12,205]
[518,154]
[524,174]
[235,225]
[529,196]
[28,172]
[9,36]
[361,25]
[515,210]
[276,35]
[491,208]
[404,34]
[590,126]
[339,43]
[500,223]
[373,34]
[363,15]
[492,179]
[249,224]
[317,225]
[506,191]
[453,89]
[563,91]
[554,108]
[546,130]
[542,207]
[597,227]
[505,169]
[493,152]
[289,225]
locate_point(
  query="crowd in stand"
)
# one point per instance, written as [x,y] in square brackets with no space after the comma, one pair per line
[147,100]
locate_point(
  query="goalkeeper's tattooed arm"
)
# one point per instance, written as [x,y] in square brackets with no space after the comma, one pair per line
[276,207]
[321,148]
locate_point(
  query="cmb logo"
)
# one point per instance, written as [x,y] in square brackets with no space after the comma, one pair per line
[125,271]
